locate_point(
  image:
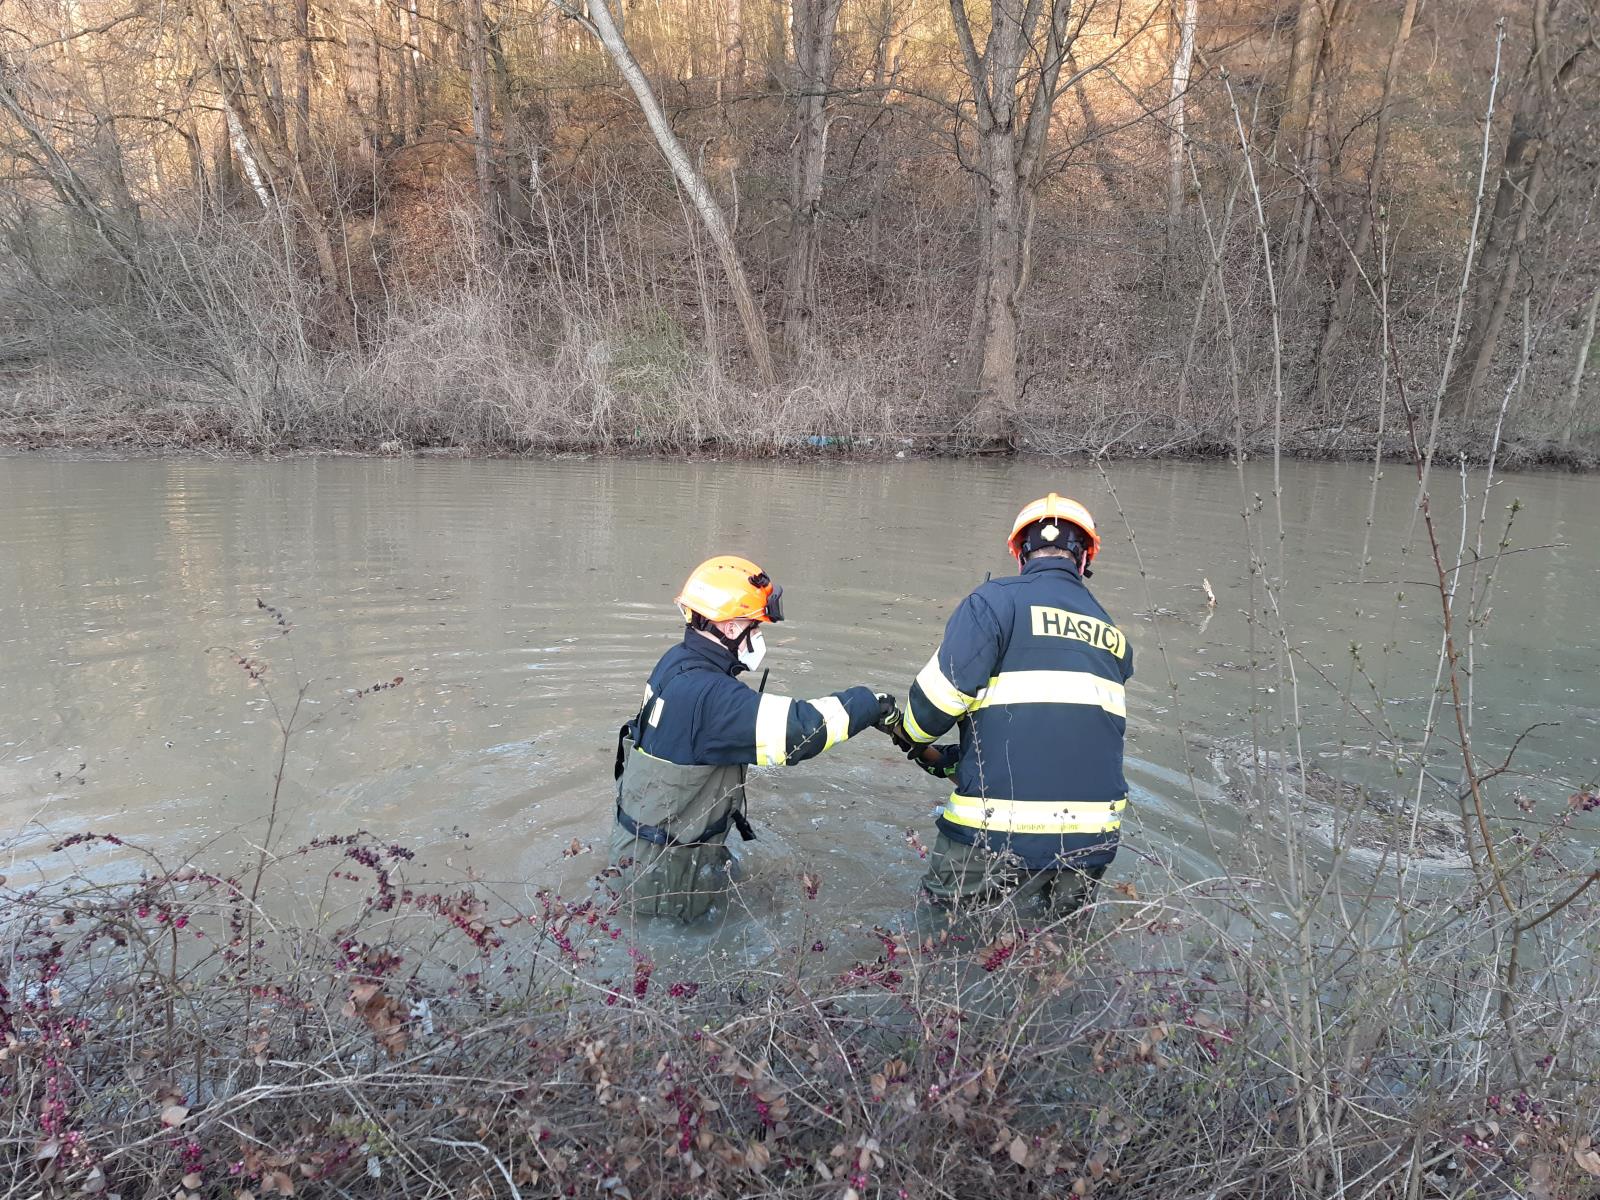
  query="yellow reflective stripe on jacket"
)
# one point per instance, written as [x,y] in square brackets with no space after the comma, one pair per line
[772,731]
[941,693]
[838,721]
[1035,816]
[1056,687]
[914,731]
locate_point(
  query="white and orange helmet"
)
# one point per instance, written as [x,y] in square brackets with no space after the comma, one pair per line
[726,588]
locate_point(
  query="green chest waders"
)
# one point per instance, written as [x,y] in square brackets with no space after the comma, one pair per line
[671,832]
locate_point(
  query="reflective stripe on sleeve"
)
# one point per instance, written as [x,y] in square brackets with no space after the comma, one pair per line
[1056,687]
[1035,816]
[941,693]
[772,731]
[914,731]
[837,719]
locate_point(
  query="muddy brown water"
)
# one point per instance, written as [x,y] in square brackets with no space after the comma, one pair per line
[525,602]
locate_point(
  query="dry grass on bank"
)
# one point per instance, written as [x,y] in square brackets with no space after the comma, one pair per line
[223,345]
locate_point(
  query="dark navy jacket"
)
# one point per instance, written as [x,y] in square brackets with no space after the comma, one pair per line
[1032,670]
[697,713]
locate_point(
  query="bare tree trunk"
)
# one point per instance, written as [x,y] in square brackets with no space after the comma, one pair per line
[1339,312]
[414,60]
[404,81]
[302,78]
[1176,136]
[599,21]
[1304,53]
[733,55]
[517,160]
[107,145]
[1585,347]
[778,49]
[1522,173]
[1012,129]
[69,186]
[361,68]
[1314,151]
[246,153]
[233,58]
[1485,337]
[478,93]
[815,24]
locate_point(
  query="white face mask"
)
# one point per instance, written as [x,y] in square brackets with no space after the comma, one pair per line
[752,650]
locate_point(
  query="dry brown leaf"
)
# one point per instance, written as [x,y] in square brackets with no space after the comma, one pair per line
[1018,1150]
[1588,1160]
[191,1181]
[174,1115]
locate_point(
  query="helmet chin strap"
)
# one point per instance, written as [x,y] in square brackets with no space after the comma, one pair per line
[730,644]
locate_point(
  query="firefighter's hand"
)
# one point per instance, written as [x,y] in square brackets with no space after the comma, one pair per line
[938,761]
[891,721]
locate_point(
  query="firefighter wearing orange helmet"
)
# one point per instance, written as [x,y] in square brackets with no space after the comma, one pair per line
[1032,674]
[681,760]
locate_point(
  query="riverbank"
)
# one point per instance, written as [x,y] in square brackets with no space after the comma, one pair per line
[214,429]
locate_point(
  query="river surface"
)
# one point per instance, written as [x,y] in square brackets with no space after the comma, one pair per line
[524,603]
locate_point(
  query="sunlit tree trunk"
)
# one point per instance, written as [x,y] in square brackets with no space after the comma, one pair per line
[1339,310]
[1177,138]
[597,18]
[815,24]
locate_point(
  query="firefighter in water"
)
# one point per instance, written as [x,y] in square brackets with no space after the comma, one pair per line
[681,761]
[1031,673]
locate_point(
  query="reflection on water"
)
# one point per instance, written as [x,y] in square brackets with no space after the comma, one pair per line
[525,602]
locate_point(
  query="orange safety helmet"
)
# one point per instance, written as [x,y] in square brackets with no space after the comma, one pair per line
[1062,508]
[728,587]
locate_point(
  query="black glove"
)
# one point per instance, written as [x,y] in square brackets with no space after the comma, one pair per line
[892,722]
[888,712]
[942,767]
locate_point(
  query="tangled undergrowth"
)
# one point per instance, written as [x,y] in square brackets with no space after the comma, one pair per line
[169,1036]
